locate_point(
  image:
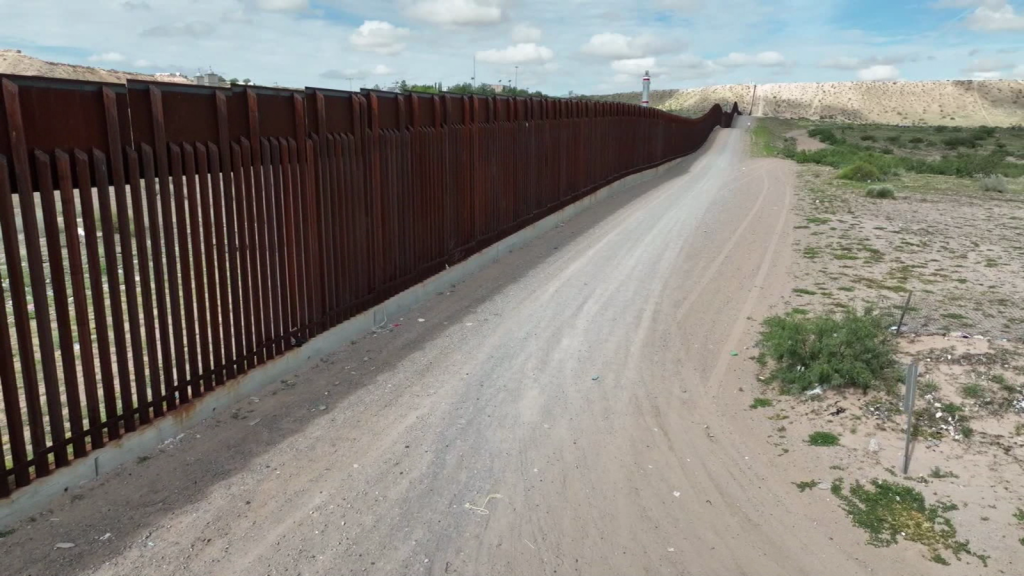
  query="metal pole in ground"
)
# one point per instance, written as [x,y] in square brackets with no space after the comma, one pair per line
[908,407]
[903,314]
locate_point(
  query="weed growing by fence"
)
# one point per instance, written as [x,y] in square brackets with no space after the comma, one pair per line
[888,511]
[852,350]
[881,192]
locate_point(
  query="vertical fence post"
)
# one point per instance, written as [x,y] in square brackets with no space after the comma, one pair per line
[903,313]
[908,407]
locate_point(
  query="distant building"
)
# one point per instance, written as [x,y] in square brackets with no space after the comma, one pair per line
[498,88]
[210,79]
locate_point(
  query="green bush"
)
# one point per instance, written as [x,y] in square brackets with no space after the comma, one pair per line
[916,140]
[995,184]
[825,135]
[880,192]
[852,350]
[959,142]
[894,139]
[861,172]
[868,137]
[823,439]
[941,128]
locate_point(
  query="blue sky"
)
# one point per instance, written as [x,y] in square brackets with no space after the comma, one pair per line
[586,46]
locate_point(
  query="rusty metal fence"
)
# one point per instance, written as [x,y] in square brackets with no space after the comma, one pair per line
[160,240]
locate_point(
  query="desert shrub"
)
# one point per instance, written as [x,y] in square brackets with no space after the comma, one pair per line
[941,129]
[894,139]
[983,132]
[1001,145]
[995,184]
[825,135]
[868,137]
[959,142]
[852,350]
[823,439]
[916,140]
[880,192]
[861,172]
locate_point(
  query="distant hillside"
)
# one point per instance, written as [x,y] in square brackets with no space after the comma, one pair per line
[949,102]
[14,62]
[658,97]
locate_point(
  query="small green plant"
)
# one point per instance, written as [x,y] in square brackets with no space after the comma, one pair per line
[954,142]
[1019,516]
[882,192]
[973,391]
[916,140]
[860,172]
[927,386]
[1018,430]
[998,379]
[823,439]
[938,559]
[761,403]
[6,533]
[804,291]
[851,350]
[995,184]
[888,511]
[868,137]
[806,485]
[967,432]
[939,473]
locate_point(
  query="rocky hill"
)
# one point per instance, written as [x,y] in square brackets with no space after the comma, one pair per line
[15,62]
[949,102]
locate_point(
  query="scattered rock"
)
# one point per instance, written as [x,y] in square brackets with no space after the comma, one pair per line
[63,545]
[874,446]
[818,391]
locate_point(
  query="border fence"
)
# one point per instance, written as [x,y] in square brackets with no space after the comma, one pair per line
[160,240]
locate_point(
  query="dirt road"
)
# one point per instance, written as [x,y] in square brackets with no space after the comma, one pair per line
[574,409]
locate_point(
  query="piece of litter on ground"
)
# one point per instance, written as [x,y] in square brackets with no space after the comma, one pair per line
[676,494]
[596,378]
[421,320]
[255,422]
[671,549]
[63,545]
[106,536]
[734,353]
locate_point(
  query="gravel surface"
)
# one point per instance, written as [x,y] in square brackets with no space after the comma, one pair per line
[574,408]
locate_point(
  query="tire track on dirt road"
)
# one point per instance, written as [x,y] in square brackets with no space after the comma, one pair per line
[563,390]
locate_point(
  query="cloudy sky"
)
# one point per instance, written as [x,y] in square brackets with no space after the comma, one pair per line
[587,46]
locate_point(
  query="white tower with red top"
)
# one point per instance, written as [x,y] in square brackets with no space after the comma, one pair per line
[645,99]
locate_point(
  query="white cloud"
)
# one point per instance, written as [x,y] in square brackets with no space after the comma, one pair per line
[457,12]
[526,33]
[358,73]
[616,46]
[879,72]
[282,5]
[681,5]
[143,63]
[987,75]
[518,54]
[1018,72]
[1001,19]
[636,67]
[851,63]
[379,37]
[107,57]
[195,29]
[737,59]
[986,65]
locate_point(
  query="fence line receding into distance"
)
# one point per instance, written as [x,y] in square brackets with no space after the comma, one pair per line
[159,240]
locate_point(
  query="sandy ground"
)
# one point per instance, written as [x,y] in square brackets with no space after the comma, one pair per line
[949,102]
[804,141]
[575,408]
